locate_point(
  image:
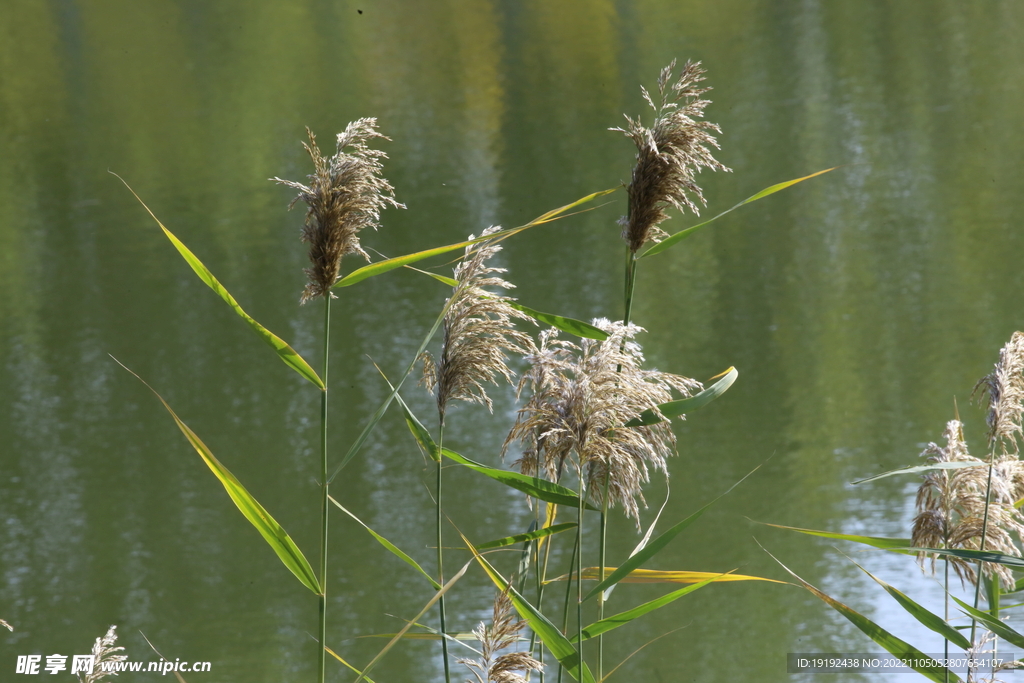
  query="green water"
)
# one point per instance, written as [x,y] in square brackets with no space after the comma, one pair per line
[856,306]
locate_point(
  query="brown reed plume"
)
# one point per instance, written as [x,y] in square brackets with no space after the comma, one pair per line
[669,154]
[581,395]
[951,507]
[1004,387]
[478,331]
[502,633]
[346,193]
[103,650]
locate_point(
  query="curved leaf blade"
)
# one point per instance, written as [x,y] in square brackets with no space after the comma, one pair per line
[662,576]
[272,532]
[557,643]
[683,234]
[896,545]
[384,266]
[1000,628]
[686,405]
[953,465]
[285,352]
[655,546]
[976,555]
[394,549]
[528,536]
[570,325]
[910,655]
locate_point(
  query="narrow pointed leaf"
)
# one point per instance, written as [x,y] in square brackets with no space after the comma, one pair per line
[954,465]
[623,618]
[350,667]
[976,555]
[662,577]
[683,234]
[918,661]
[286,353]
[686,405]
[897,545]
[570,325]
[531,486]
[419,432]
[272,532]
[530,536]
[450,281]
[389,545]
[927,618]
[655,546]
[1000,628]
[557,643]
[397,262]
[412,622]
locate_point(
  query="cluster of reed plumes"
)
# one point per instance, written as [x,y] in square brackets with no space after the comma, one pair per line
[501,634]
[104,650]
[580,396]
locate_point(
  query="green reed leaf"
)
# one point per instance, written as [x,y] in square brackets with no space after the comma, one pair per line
[412,622]
[389,545]
[686,405]
[927,618]
[532,486]
[285,352]
[349,666]
[570,325]
[910,655]
[528,536]
[623,618]
[683,234]
[552,638]
[655,546]
[975,555]
[664,576]
[1000,628]
[381,267]
[896,545]
[954,465]
[272,532]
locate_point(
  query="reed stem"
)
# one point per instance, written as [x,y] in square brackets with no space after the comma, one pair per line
[440,553]
[600,597]
[984,533]
[322,659]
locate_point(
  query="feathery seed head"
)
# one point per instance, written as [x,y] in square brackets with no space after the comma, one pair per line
[1005,392]
[581,395]
[478,331]
[346,193]
[104,650]
[501,634]
[951,506]
[669,154]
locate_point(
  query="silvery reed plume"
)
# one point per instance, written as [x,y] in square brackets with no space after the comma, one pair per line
[951,506]
[669,154]
[580,398]
[345,194]
[500,635]
[478,331]
[103,651]
[1005,393]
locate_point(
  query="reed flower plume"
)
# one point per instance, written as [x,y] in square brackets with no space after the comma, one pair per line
[1004,387]
[581,396]
[346,194]
[951,506]
[502,633]
[478,332]
[669,154]
[104,650]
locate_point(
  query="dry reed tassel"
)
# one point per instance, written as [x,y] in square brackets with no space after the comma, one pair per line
[346,194]
[669,154]
[502,633]
[581,395]
[103,651]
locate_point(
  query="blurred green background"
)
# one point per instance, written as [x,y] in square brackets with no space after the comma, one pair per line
[856,306]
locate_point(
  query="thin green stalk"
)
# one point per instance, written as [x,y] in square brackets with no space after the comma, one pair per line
[630,283]
[984,533]
[324,499]
[579,568]
[600,597]
[568,595]
[440,552]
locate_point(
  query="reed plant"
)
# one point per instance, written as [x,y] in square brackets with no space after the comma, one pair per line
[594,416]
[969,517]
